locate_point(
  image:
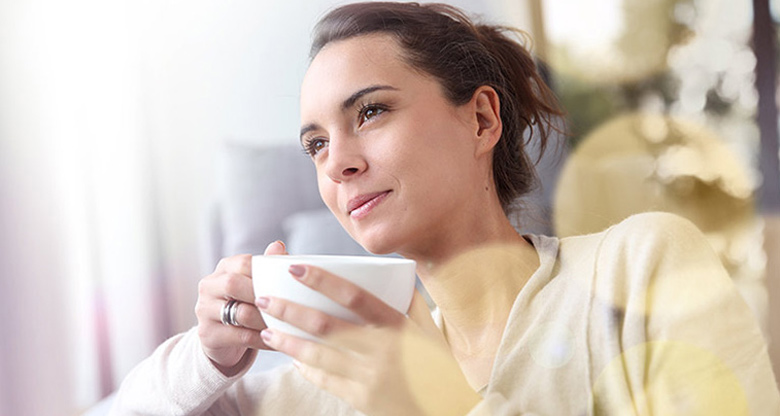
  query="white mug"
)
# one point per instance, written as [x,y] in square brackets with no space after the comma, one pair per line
[389,279]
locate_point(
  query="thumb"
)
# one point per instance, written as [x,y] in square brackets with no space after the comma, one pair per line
[277,247]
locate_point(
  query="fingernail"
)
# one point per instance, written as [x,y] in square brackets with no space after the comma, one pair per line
[262,302]
[267,335]
[298,271]
[281,243]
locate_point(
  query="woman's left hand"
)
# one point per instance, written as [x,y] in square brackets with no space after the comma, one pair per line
[390,365]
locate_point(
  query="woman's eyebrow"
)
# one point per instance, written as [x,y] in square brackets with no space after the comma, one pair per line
[307,128]
[349,102]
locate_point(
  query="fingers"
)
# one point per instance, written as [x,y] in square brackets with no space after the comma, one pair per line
[277,247]
[223,336]
[232,278]
[247,315]
[302,317]
[347,294]
[228,286]
[340,386]
[226,345]
[322,356]
[240,264]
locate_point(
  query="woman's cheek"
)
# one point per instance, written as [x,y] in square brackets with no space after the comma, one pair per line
[327,192]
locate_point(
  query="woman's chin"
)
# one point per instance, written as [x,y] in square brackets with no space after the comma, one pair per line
[377,244]
[378,237]
[376,248]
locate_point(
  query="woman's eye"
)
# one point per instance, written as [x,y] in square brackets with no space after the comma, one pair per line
[368,112]
[314,146]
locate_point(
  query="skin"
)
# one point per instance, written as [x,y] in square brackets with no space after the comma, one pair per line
[434,157]
[375,125]
[231,348]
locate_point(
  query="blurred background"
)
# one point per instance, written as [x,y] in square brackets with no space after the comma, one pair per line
[114,114]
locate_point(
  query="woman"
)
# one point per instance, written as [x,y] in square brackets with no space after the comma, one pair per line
[414,118]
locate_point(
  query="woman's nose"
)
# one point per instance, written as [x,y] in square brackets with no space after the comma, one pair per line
[345,161]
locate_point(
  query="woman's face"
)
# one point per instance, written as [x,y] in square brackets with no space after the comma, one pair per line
[395,159]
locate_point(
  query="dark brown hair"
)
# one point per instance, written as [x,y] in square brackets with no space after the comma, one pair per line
[442,41]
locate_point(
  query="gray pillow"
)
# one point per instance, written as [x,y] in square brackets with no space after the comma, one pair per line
[258,189]
[318,232]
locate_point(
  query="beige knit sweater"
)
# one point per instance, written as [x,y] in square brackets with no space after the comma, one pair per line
[638,319]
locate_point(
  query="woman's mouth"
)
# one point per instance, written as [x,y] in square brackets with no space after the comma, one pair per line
[362,205]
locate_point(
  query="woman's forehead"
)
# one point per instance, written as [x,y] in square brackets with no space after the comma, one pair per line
[354,63]
[370,45]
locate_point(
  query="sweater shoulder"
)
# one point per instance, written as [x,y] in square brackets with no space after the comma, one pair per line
[656,232]
[655,223]
[641,248]
[649,230]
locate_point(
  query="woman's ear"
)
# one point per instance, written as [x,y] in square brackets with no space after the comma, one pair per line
[487,108]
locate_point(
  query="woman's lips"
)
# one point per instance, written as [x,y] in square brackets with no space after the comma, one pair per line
[360,206]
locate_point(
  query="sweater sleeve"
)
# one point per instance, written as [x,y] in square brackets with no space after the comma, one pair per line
[177,379]
[684,341]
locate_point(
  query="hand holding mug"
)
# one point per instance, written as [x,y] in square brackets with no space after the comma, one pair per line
[376,358]
[229,324]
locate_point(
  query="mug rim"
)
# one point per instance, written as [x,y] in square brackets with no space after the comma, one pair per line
[327,258]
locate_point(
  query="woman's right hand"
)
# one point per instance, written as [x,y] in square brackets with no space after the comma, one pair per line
[226,345]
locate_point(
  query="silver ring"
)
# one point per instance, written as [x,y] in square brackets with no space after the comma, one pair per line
[229,313]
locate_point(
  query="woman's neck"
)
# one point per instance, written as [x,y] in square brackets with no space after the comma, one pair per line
[474,282]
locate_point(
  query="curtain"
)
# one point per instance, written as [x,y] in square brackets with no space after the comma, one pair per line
[86,277]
